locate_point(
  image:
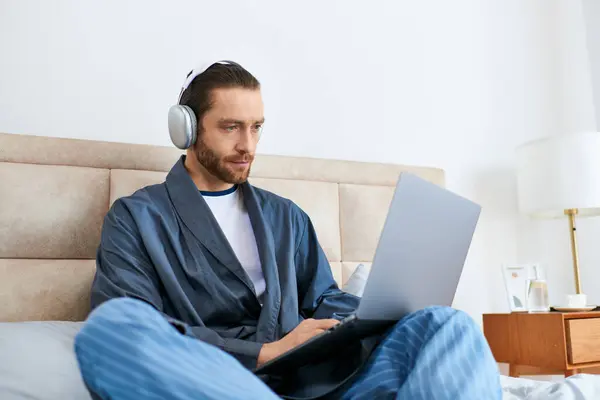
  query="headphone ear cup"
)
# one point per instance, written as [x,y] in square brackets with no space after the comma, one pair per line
[182,126]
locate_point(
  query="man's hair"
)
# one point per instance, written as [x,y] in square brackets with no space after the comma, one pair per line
[198,95]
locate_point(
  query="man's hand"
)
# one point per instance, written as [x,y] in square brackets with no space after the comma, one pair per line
[304,331]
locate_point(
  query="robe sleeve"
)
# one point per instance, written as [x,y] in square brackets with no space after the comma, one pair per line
[124,269]
[319,295]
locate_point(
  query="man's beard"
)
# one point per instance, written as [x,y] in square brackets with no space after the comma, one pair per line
[219,166]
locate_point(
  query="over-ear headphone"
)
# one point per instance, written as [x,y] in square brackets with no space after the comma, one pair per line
[182,119]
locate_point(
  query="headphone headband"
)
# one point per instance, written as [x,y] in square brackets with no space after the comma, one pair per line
[198,71]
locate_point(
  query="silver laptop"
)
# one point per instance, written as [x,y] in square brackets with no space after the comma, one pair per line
[418,263]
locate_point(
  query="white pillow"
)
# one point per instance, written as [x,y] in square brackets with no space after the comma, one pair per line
[37,361]
[357,281]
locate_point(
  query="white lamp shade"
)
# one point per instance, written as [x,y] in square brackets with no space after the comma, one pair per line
[559,173]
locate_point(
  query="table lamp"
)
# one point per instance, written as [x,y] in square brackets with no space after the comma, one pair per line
[559,176]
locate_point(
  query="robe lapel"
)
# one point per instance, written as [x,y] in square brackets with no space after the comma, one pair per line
[199,219]
[268,320]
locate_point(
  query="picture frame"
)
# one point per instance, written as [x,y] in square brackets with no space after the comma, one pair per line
[516,277]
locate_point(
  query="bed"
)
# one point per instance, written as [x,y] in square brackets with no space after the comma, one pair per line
[54,193]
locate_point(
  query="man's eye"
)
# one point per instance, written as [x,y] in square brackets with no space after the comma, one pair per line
[257,127]
[231,128]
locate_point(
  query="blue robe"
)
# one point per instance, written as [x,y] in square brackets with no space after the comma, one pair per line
[163,245]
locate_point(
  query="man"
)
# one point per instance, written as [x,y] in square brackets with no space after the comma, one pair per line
[204,277]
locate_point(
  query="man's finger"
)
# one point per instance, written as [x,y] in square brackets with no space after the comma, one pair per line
[326,323]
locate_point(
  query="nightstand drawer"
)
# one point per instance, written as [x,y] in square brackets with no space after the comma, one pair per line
[583,340]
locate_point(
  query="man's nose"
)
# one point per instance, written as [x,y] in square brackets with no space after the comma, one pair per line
[246,140]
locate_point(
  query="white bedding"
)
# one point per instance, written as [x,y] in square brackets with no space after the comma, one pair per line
[577,387]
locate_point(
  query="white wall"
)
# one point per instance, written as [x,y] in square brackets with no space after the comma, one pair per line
[591,13]
[450,84]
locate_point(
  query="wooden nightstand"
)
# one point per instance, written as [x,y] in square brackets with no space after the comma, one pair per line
[545,343]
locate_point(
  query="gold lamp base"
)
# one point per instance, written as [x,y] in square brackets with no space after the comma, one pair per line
[571,212]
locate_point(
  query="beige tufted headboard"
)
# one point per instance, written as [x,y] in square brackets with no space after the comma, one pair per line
[55,192]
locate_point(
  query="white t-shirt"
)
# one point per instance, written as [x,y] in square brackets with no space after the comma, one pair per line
[230,212]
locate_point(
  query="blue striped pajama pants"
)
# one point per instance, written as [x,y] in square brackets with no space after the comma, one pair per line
[126,350]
